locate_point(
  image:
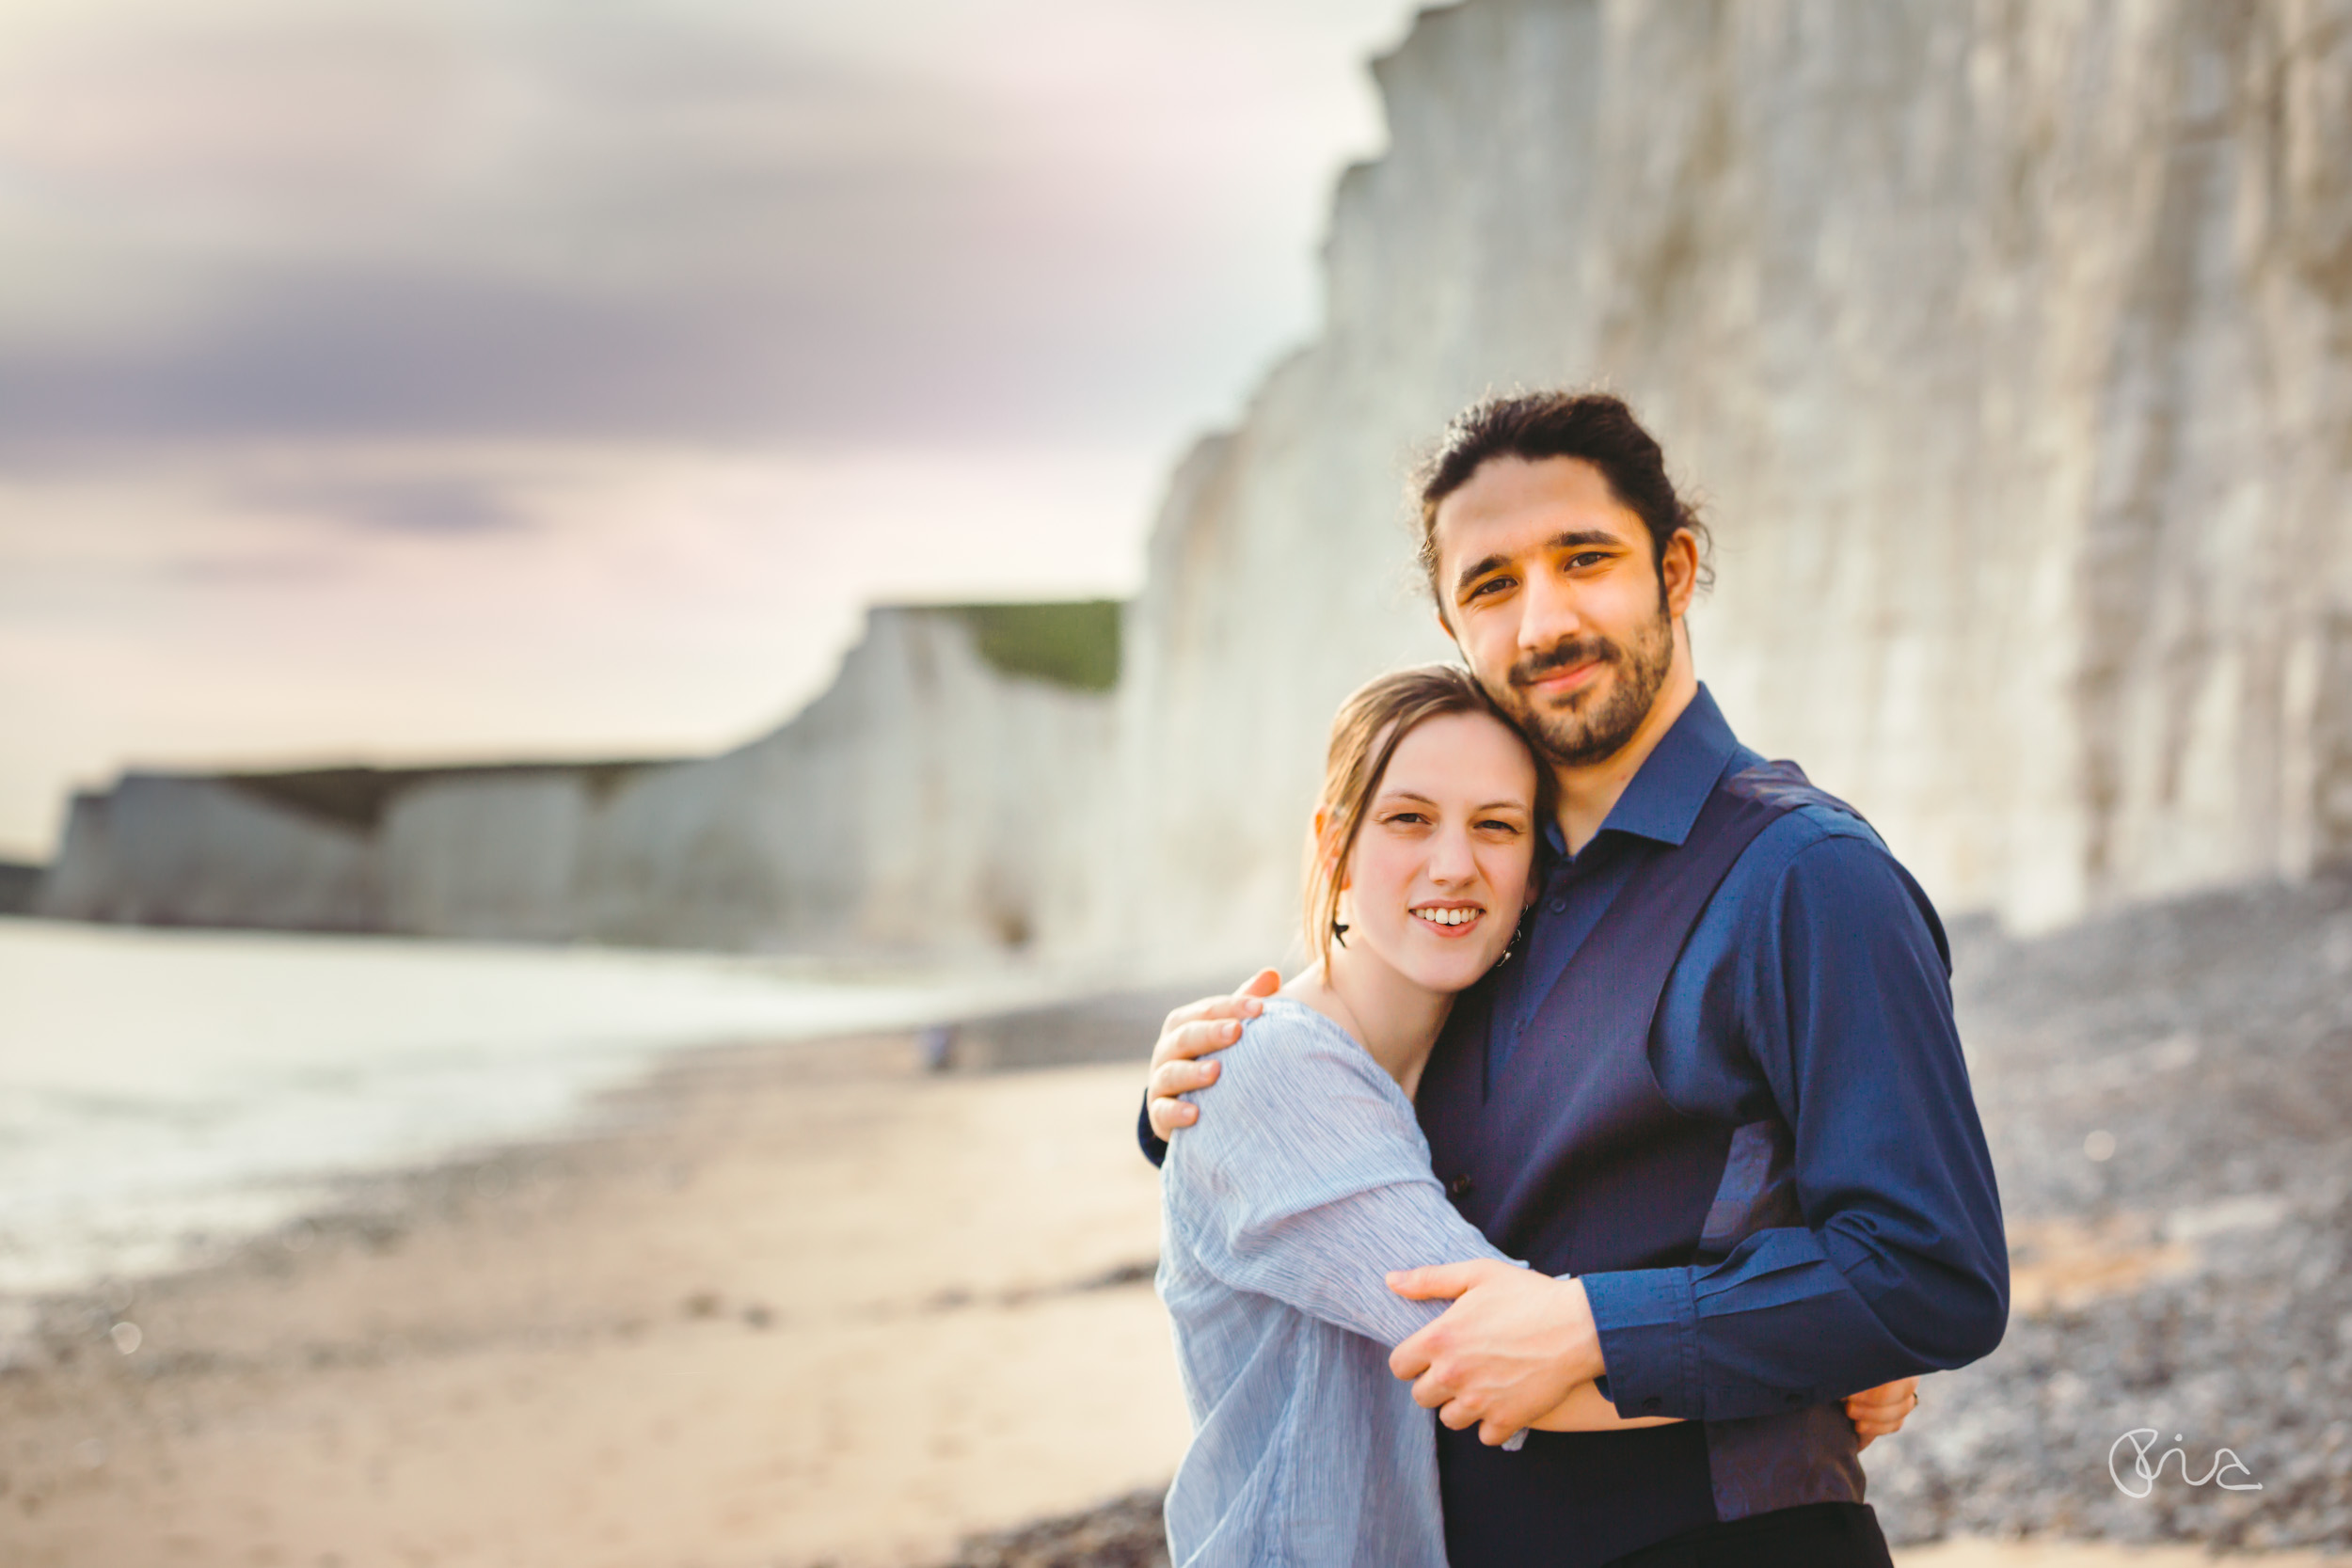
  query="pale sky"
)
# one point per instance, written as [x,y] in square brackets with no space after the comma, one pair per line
[436,381]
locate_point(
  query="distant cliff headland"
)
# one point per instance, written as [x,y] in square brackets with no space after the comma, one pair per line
[2011,346]
[890,814]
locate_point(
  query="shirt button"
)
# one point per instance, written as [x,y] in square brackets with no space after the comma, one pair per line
[1460,1187]
[1652,1402]
[1794,1399]
[1559,906]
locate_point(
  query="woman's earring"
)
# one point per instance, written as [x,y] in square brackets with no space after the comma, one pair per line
[1339,932]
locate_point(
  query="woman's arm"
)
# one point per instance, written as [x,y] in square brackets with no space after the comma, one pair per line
[1584,1410]
[1875,1412]
[1311,1184]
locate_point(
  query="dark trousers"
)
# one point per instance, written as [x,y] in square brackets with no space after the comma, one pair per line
[1818,1535]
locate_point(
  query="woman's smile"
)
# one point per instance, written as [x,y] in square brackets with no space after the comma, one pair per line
[1439,874]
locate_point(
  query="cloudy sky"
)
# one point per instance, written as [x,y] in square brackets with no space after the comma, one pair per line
[424,380]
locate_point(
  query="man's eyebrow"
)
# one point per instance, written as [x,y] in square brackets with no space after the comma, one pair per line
[1477,569]
[1584,538]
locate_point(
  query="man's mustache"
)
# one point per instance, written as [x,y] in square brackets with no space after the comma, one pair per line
[1563,655]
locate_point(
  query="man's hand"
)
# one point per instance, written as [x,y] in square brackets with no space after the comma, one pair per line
[1509,1349]
[1881,1412]
[1192,1032]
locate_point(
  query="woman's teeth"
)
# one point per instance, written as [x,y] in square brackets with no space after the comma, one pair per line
[1449,917]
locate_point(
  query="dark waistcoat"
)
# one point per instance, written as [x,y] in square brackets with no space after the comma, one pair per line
[1575,1162]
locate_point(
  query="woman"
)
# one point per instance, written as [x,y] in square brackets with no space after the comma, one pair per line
[1284,1211]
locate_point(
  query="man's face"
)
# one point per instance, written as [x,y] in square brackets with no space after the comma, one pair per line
[1550,587]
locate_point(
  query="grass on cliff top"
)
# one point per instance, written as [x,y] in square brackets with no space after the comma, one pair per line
[1072,643]
[356,797]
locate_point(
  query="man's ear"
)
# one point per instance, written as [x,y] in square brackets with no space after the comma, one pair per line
[1445,626]
[1678,571]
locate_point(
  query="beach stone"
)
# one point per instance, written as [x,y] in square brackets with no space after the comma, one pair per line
[1124,1533]
[2231,1340]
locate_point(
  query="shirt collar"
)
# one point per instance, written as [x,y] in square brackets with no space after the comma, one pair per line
[1672,786]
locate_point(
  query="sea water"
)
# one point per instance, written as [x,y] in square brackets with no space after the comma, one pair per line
[167,1094]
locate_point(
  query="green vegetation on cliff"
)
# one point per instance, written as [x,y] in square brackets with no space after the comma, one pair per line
[1072,643]
[356,797]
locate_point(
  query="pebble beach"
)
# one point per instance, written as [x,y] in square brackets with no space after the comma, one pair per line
[809,1302]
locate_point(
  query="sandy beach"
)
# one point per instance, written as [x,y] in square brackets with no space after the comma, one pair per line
[812,1305]
[809,1304]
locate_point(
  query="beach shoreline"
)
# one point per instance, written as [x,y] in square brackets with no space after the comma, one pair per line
[166,1094]
[793,1302]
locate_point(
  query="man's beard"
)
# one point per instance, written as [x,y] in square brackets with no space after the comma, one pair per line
[1571,737]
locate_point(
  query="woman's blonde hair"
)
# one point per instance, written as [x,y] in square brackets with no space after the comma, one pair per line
[1365,734]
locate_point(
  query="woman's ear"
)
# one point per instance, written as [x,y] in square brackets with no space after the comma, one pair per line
[1326,831]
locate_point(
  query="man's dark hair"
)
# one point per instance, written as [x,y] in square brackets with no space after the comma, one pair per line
[1594,426]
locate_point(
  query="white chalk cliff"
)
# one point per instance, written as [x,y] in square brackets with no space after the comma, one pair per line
[928,800]
[2011,345]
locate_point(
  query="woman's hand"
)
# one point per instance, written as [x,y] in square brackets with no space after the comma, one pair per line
[1195,1031]
[1881,1412]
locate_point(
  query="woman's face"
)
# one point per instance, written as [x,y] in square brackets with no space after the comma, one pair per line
[1439,873]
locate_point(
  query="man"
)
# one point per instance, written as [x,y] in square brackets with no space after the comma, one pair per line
[1716,1098]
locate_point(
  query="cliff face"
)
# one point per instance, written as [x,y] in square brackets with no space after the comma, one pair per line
[904,809]
[162,849]
[2011,346]
[930,800]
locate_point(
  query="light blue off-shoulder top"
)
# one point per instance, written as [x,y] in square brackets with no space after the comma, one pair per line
[1306,1180]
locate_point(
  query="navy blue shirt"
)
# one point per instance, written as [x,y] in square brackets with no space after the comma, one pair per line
[1817,987]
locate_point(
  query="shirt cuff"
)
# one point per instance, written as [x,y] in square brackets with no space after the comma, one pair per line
[1648,1322]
